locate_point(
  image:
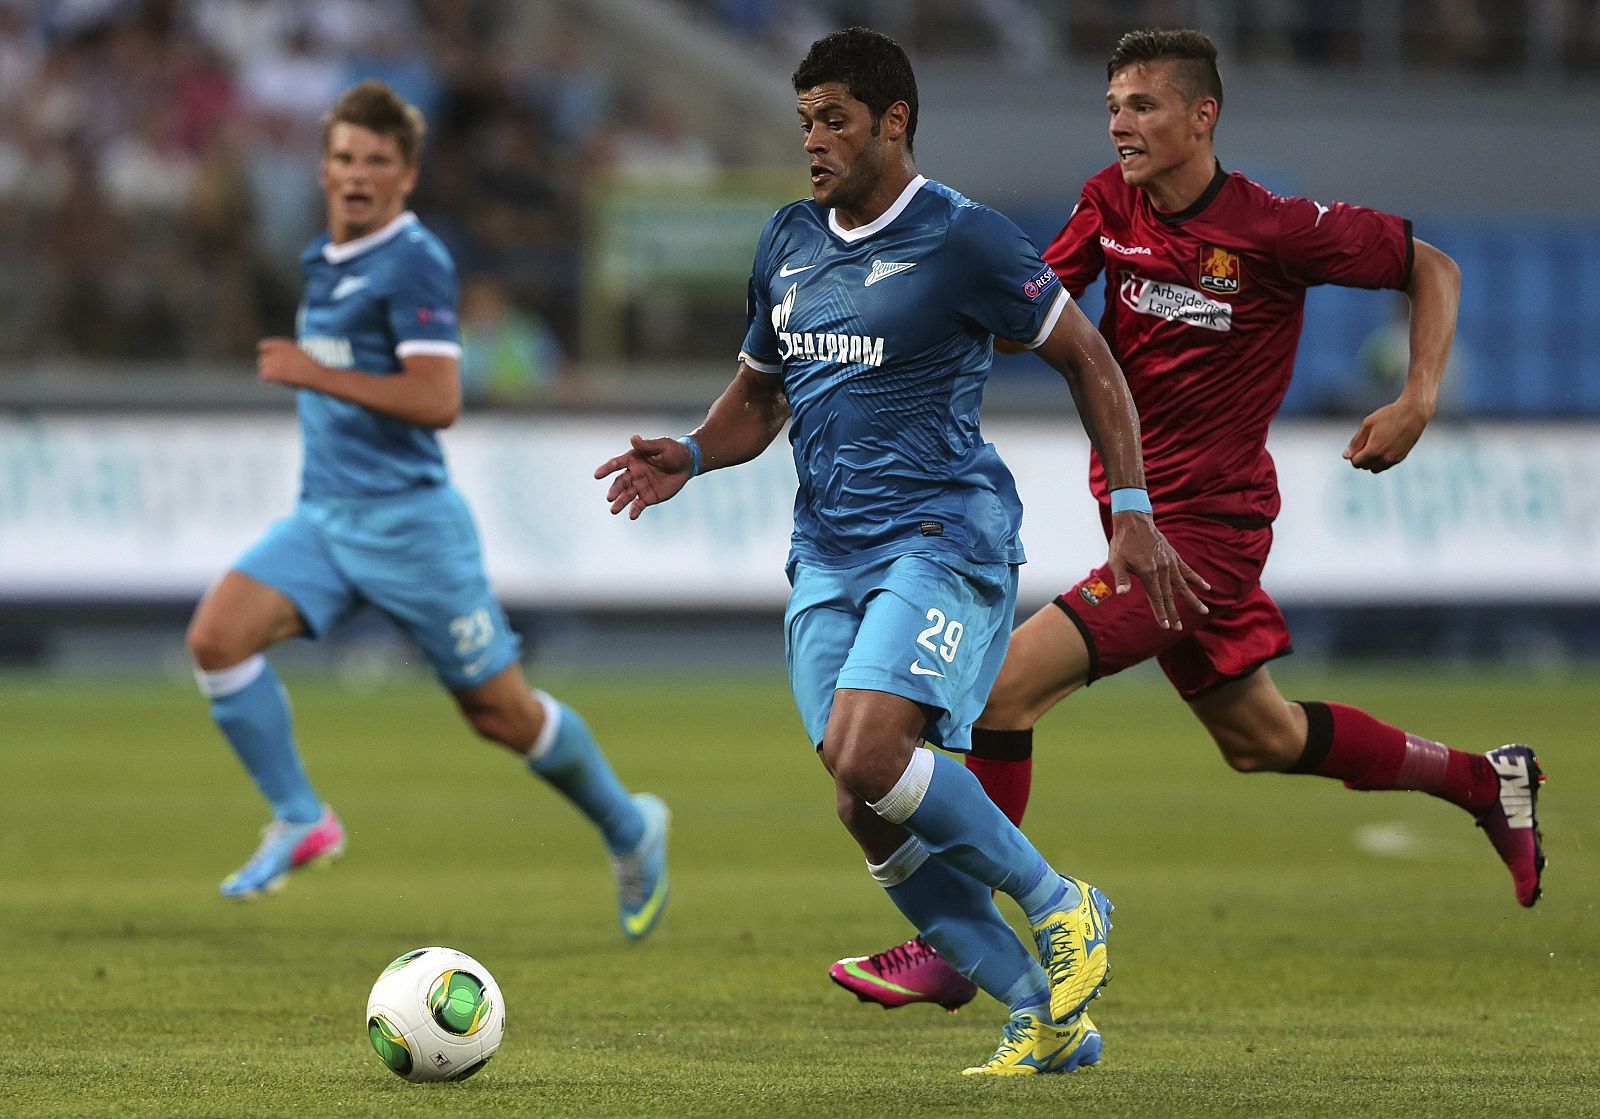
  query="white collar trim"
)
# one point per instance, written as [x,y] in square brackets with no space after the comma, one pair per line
[338,254]
[883,219]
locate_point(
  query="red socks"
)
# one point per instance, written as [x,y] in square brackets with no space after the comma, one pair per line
[1349,745]
[1002,761]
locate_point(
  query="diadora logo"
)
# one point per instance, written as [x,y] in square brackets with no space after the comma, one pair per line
[882,270]
[1175,303]
[1126,250]
[346,286]
[336,353]
[846,349]
[1516,791]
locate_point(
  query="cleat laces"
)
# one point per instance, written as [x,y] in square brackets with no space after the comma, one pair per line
[630,881]
[1012,1038]
[901,956]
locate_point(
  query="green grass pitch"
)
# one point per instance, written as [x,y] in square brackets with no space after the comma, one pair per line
[1282,946]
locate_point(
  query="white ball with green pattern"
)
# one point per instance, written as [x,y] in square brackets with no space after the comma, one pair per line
[435,1014]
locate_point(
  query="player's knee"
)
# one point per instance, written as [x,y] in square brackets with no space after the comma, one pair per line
[859,769]
[1011,705]
[211,646]
[511,729]
[514,725]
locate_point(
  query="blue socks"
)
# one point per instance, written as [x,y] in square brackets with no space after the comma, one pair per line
[568,757]
[251,708]
[941,803]
[956,915]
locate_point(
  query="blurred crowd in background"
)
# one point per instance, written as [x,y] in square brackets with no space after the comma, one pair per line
[1473,35]
[157,169]
[157,157]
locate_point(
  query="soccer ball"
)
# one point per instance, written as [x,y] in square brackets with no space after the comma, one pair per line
[435,1014]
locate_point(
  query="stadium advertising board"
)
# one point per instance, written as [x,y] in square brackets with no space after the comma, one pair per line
[156,506]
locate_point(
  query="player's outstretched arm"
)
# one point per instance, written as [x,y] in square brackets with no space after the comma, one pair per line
[1387,436]
[426,391]
[1079,353]
[742,423]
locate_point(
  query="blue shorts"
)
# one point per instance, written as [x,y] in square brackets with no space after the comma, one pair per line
[414,556]
[925,627]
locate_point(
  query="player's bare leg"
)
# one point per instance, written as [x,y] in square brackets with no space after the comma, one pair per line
[560,748]
[237,619]
[1258,730]
[1046,661]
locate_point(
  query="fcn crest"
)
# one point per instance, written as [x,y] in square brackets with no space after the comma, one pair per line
[1219,270]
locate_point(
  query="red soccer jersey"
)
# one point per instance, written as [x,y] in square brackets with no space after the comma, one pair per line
[1203,311]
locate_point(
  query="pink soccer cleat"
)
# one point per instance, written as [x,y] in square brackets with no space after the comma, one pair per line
[1512,822]
[907,973]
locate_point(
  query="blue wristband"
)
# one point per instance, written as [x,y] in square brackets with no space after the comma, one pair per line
[1131,499]
[694,450]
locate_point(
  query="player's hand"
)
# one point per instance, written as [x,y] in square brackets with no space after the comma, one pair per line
[281,361]
[1139,549]
[650,473]
[1386,437]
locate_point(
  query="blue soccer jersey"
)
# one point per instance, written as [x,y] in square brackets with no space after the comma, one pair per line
[367,304]
[884,335]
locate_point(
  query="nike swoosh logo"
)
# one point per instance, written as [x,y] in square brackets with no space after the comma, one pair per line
[347,285]
[855,971]
[918,670]
[640,921]
[786,271]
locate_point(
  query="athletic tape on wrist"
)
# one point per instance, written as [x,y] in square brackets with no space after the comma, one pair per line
[694,450]
[1131,499]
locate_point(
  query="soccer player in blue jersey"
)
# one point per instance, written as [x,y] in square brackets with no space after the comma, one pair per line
[376,363]
[873,311]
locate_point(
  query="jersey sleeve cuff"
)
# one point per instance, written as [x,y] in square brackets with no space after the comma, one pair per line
[428,347]
[767,367]
[1050,320]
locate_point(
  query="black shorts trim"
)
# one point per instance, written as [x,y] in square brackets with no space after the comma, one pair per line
[1238,676]
[1088,638]
[1411,253]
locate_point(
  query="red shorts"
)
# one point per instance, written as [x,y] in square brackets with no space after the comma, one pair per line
[1244,630]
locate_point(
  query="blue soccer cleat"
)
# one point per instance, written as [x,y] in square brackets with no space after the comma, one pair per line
[286,847]
[642,873]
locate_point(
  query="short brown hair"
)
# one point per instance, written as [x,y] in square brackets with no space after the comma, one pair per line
[375,106]
[1195,74]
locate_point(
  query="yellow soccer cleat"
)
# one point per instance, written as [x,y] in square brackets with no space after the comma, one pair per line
[1072,948]
[1032,1046]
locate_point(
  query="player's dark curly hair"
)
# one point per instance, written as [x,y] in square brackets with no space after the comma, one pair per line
[1195,74]
[375,105]
[872,66]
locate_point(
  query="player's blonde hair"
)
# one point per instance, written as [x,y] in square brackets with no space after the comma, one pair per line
[375,106]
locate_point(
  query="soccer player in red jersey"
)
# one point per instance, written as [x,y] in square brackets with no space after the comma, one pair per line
[1206,274]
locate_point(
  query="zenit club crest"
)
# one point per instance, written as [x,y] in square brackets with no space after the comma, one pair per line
[1219,270]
